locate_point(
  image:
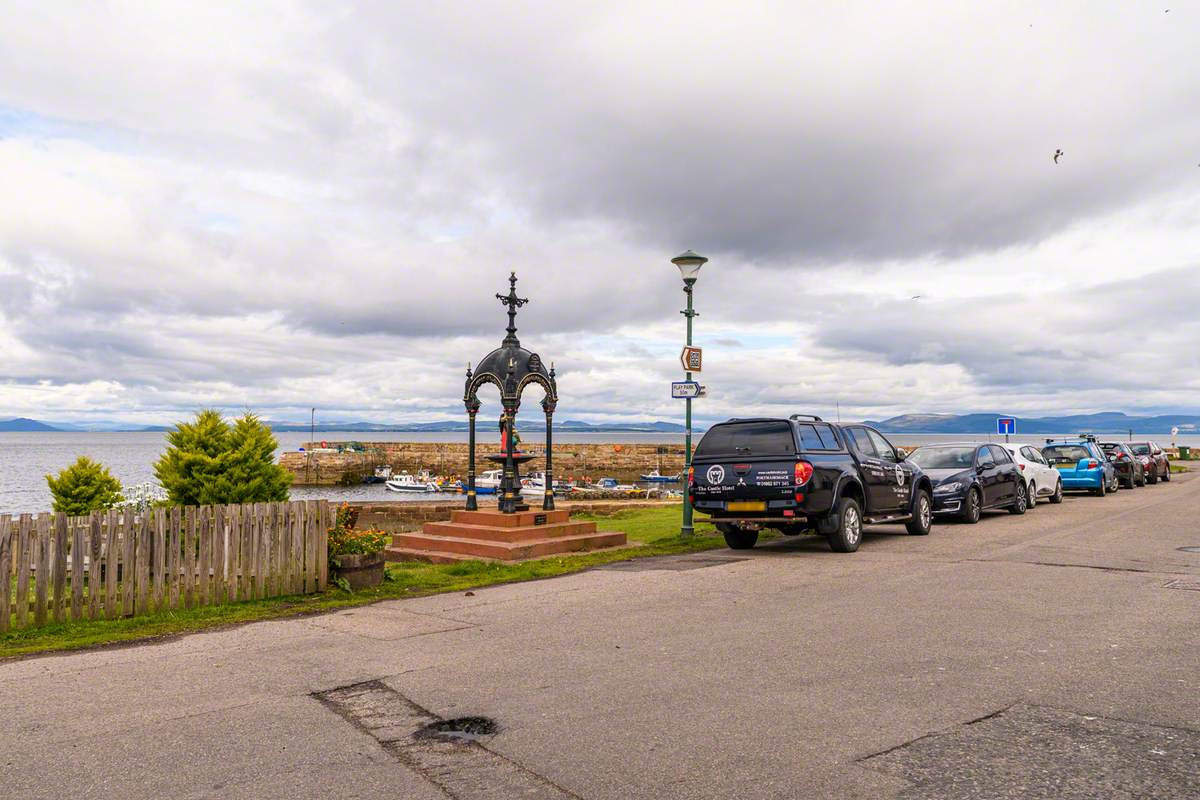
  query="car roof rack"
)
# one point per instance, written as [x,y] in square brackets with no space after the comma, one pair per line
[813,417]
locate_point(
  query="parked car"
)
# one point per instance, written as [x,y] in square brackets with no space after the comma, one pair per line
[1154,460]
[970,478]
[1041,479]
[1082,465]
[803,473]
[1130,471]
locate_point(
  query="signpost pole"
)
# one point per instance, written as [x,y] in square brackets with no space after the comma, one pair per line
[686,529]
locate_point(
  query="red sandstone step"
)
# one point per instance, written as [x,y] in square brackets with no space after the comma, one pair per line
[494,533]
[507,551]
[518,520]
[426,556]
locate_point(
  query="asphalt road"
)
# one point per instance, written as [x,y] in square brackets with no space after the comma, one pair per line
[1051,655]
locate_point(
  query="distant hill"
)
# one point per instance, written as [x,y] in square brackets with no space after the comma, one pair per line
[1104,422]
[25,424]
[532,422]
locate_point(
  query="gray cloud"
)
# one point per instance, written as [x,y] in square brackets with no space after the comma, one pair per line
[321,210]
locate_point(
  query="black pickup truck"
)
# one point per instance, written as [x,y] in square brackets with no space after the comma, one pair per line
[801,474]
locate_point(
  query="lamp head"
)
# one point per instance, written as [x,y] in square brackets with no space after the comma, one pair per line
[689,264]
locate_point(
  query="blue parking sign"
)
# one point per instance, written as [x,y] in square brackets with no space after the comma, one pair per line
[1006,425]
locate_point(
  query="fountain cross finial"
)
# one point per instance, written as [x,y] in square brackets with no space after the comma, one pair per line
[513,302]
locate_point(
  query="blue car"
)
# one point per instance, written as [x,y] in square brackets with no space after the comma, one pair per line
[1082,464]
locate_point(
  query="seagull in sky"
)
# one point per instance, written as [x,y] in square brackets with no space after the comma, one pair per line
[1057,155]
[916,297]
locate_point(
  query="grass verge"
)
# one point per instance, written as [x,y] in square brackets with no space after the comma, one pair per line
[651,532]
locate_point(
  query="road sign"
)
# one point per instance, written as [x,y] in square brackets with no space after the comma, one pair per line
[1006,425]
[691,358]
[685,389]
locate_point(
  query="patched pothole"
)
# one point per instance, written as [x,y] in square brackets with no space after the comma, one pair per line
[461,729]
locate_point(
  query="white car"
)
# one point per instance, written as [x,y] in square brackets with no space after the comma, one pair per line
[1041,479]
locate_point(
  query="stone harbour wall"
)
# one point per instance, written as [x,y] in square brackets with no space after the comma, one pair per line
[625,462]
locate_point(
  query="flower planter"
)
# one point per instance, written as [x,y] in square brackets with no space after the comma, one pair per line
[361,571]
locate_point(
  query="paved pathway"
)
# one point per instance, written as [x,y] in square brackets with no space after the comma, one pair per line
[1051,655]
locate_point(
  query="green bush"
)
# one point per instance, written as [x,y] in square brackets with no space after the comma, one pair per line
[207,461]
[83,487]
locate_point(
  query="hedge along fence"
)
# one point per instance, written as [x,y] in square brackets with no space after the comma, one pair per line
[123,563]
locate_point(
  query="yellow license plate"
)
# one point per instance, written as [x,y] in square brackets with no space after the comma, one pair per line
[747,505]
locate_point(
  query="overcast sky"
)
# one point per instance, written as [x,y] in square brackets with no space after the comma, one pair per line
[281,205]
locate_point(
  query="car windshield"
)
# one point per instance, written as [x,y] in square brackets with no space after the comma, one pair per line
[943,457]
[1065,453]
[1140,449]
[763,438]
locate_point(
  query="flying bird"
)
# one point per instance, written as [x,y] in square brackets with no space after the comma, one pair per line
[1057,155]
[916,297]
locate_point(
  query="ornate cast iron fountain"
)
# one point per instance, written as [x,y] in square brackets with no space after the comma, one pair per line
[511,368]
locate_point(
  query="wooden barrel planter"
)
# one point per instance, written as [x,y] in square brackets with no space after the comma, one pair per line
[361,570]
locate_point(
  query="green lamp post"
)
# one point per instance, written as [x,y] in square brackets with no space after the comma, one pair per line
[689,264]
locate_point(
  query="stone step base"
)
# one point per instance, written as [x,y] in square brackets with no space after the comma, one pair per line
[504,550]
[518,520]
[490,533]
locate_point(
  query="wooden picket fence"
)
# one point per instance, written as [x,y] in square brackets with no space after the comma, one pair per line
[120,563]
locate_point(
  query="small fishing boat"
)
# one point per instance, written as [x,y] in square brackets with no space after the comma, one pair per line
[487,482]
[537,481]
[611,484]
[654,476]
[381,475]
[405,482]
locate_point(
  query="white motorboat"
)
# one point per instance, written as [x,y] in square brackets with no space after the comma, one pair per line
[611,484]
[405,482]
[537,481]
[654,476]
[487,482]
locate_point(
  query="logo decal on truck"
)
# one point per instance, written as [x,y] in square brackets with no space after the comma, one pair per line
[715,474]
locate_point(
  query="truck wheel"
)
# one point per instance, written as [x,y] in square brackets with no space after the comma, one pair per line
[972,508]
[847,536]
[738,539]
[923,518]
[1021,504]
[1057,497]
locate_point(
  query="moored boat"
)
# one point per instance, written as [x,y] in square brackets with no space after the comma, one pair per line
[654,476]
[405,482]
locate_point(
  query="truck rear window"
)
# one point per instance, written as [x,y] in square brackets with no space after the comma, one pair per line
[771,438]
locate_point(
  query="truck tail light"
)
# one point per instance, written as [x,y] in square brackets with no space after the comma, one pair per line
[804,471]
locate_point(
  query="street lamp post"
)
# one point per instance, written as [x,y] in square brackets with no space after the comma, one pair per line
[689,264]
